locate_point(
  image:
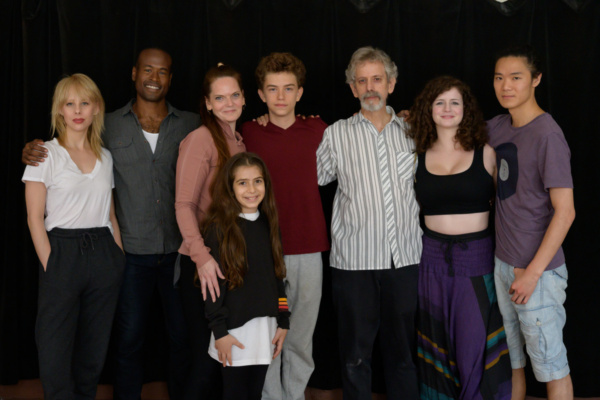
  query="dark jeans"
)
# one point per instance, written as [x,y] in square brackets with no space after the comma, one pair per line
[77,297]
[371,302]
[243,383]
[205,374]
[143,275]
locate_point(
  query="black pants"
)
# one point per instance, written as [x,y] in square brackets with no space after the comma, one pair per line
[243,383]
[205,374]
[372,302]
[77,298]
[144,275]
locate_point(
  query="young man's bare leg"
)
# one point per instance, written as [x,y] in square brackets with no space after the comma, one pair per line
[560,389]
[518,384]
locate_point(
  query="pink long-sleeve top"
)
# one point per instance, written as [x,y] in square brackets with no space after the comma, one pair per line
[196,169]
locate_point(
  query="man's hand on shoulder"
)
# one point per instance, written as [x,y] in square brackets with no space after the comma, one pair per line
[404,114]
[34,153]
[263,120]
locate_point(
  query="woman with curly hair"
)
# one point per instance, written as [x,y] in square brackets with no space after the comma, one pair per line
[461,341]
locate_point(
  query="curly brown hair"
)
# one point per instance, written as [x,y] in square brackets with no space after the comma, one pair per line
[224,212]
[280,62]
[472,130]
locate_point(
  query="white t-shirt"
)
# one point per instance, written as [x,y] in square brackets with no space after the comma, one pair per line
[74,200]
[152,139]
[256,336]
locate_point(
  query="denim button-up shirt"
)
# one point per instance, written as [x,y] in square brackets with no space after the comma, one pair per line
[145,181]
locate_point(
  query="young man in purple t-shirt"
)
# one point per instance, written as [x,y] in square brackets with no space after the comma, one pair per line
[288,146]
[534,212]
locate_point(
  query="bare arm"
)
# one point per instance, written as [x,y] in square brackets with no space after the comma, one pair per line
[35,198]
[564,214]
[115,223]
[489,162]
[34,153]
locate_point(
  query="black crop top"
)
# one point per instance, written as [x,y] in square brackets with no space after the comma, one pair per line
[467,192]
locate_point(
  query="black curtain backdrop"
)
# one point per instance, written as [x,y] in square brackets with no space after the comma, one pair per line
[44,39]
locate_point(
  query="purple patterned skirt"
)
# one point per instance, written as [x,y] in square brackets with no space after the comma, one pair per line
[462,352]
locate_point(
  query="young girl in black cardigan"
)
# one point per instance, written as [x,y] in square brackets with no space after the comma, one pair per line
[250,318]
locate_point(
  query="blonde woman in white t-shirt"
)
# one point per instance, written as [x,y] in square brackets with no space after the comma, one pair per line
[71,218]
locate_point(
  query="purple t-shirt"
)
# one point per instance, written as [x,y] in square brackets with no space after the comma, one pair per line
[531,159]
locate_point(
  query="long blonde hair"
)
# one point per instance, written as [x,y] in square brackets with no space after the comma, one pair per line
[85,87]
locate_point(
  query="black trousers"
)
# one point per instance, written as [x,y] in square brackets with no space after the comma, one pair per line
[77,298]
[243,383]
[144,275]
[204,380]
[372,302]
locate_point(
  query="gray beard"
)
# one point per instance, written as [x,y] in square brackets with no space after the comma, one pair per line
[371,107]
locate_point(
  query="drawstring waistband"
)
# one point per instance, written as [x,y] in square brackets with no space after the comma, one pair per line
[87,239]
[85,236]
[448,251]
[447,243]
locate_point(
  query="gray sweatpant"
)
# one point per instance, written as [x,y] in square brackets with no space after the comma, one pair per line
[289,373]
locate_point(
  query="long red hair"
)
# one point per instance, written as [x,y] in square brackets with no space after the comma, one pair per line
[208,118]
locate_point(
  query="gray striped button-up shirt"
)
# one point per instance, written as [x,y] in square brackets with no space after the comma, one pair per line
[375,211]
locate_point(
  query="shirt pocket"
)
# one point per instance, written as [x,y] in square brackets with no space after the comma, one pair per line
[405,167]
[123,150]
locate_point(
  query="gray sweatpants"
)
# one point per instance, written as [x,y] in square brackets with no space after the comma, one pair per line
[289,373]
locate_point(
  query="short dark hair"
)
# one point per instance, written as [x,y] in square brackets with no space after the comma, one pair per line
[137,59]
[280,62]
[526,51]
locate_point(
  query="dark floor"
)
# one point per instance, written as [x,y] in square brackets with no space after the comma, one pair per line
[32,390]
